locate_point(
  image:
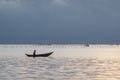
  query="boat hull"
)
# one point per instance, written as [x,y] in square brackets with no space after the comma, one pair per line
[39,55]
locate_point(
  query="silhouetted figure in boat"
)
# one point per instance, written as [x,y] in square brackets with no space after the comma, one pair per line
[34,53]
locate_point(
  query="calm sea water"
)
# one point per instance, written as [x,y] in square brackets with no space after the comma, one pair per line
[69,62]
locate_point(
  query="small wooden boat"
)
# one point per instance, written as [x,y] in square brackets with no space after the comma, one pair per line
[39,55]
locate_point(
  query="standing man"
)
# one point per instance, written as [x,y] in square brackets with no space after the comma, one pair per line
[34,52]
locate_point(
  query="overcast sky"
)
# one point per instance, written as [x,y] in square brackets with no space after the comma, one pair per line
[59,21]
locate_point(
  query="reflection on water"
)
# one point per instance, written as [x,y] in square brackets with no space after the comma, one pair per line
[93,62]
[59,69]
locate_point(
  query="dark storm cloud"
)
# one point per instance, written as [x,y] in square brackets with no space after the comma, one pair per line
[59,21]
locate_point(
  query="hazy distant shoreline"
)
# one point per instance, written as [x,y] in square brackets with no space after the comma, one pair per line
[60,45]
[56,44]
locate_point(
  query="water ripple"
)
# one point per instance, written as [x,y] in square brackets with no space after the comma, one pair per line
[59,69]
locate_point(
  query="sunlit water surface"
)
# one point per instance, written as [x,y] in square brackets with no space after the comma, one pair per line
[68,62]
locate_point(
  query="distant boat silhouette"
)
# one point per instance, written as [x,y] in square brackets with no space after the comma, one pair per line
[39,55]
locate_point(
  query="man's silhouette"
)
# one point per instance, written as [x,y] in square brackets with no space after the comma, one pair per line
[34,53]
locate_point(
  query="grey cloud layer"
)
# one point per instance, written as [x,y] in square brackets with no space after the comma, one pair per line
[60,21]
